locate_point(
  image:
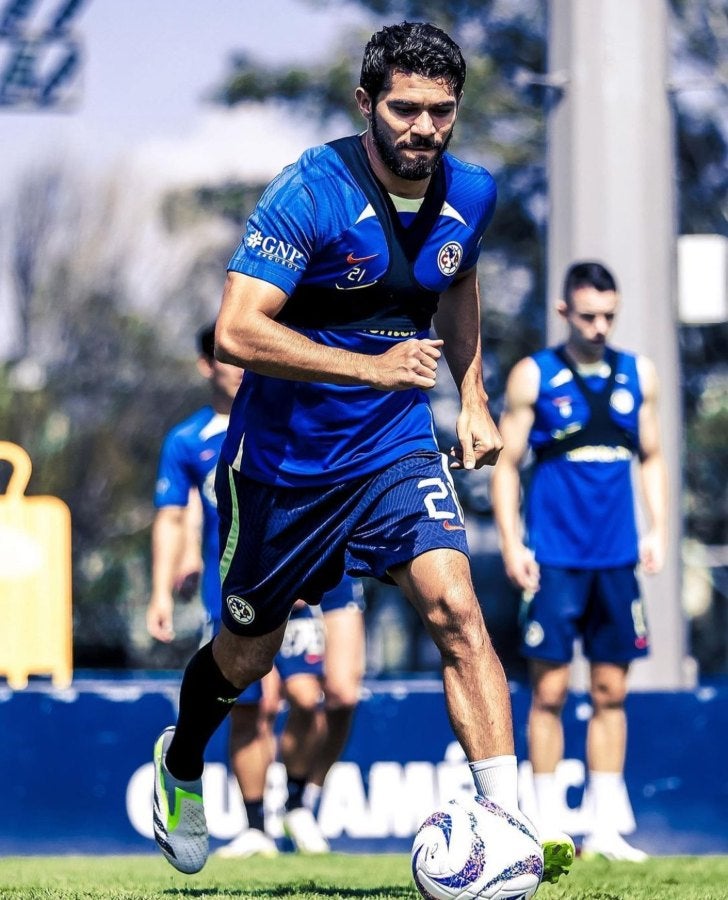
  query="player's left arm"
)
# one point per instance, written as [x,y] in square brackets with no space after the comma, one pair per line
[457,323]
[653,471]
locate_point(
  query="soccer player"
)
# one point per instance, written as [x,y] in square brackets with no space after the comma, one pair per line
[585,410]
[186,519]
[330,463]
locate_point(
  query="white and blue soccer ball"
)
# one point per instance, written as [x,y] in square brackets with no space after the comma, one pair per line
[472,848]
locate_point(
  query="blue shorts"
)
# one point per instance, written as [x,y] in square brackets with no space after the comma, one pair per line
[278,544]
[348,594]
[601,606]
[302,650]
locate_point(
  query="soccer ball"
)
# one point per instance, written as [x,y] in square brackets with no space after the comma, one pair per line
[472,848]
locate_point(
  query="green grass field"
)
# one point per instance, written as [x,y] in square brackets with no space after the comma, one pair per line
[334,877]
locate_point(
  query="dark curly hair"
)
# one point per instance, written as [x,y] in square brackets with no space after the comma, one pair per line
[416,48]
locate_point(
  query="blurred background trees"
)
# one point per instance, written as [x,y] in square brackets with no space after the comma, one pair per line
[110,289]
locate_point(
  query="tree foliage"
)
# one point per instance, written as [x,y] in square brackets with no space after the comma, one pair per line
[107,305]
[93,388]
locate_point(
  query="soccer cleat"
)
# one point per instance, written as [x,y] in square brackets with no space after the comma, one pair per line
[180,829]
[251,842]
[558,855]
[611,846]
[304,832]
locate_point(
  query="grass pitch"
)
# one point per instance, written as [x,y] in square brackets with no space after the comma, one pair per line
[334,877]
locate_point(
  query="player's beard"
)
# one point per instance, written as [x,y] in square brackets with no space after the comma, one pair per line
[416,169]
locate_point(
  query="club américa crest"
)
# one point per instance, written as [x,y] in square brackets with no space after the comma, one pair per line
[240,609]
[449,258]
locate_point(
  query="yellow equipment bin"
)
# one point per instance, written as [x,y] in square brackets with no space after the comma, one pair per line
[36,626]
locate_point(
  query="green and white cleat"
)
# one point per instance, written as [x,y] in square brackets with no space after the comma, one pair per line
[558,855]
[180,829]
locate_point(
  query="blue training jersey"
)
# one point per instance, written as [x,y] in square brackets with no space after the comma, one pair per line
[360,275]
[188,459]
[580,509]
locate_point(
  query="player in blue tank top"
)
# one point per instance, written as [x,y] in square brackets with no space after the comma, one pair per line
[331,462]
[585,411]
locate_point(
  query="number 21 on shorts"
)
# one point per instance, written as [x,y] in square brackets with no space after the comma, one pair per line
[439,492]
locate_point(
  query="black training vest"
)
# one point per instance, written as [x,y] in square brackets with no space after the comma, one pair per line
[601,429]
[397,301]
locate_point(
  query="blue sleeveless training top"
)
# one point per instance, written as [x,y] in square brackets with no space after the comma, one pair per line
[580,502]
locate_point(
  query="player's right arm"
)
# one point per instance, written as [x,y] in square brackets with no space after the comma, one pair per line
[189,570]
[168,542]
[247,335]
[515,426]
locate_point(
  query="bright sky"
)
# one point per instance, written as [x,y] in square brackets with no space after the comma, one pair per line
[148,66]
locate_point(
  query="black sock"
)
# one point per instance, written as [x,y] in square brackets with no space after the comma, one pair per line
[295,793]
[205,699]
[256,814]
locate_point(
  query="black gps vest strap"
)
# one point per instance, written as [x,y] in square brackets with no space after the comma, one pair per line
[397,301]
[601,429]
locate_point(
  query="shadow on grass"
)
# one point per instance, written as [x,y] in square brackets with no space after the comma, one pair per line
[296,890]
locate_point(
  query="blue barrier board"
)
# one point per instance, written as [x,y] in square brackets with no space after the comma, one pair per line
[78,776]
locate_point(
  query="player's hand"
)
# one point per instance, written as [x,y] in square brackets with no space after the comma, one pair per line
[159,618]
[522,568]
[652,553]
[480,441]
[409,364]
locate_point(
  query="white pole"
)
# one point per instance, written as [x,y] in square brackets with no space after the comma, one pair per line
[611,186]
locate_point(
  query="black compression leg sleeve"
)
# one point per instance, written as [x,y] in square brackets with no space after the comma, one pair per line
[205,698]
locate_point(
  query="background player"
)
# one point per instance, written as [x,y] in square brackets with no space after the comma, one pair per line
[585,410]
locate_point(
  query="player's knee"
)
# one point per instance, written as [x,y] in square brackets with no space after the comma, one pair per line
[341,697]
[242,663]
[607,696]
[304,694]
[342,692]
[457,627]
[550,702]
[243,672]
[304,705]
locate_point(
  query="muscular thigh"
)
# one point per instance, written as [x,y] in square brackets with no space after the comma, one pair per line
[438,583]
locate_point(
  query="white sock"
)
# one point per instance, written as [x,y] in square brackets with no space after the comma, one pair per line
[606,792]
[497,779]
[311,796]
[544,787]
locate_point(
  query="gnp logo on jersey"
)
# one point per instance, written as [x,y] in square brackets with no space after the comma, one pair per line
[449,258]
[274,249]
[240,610]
